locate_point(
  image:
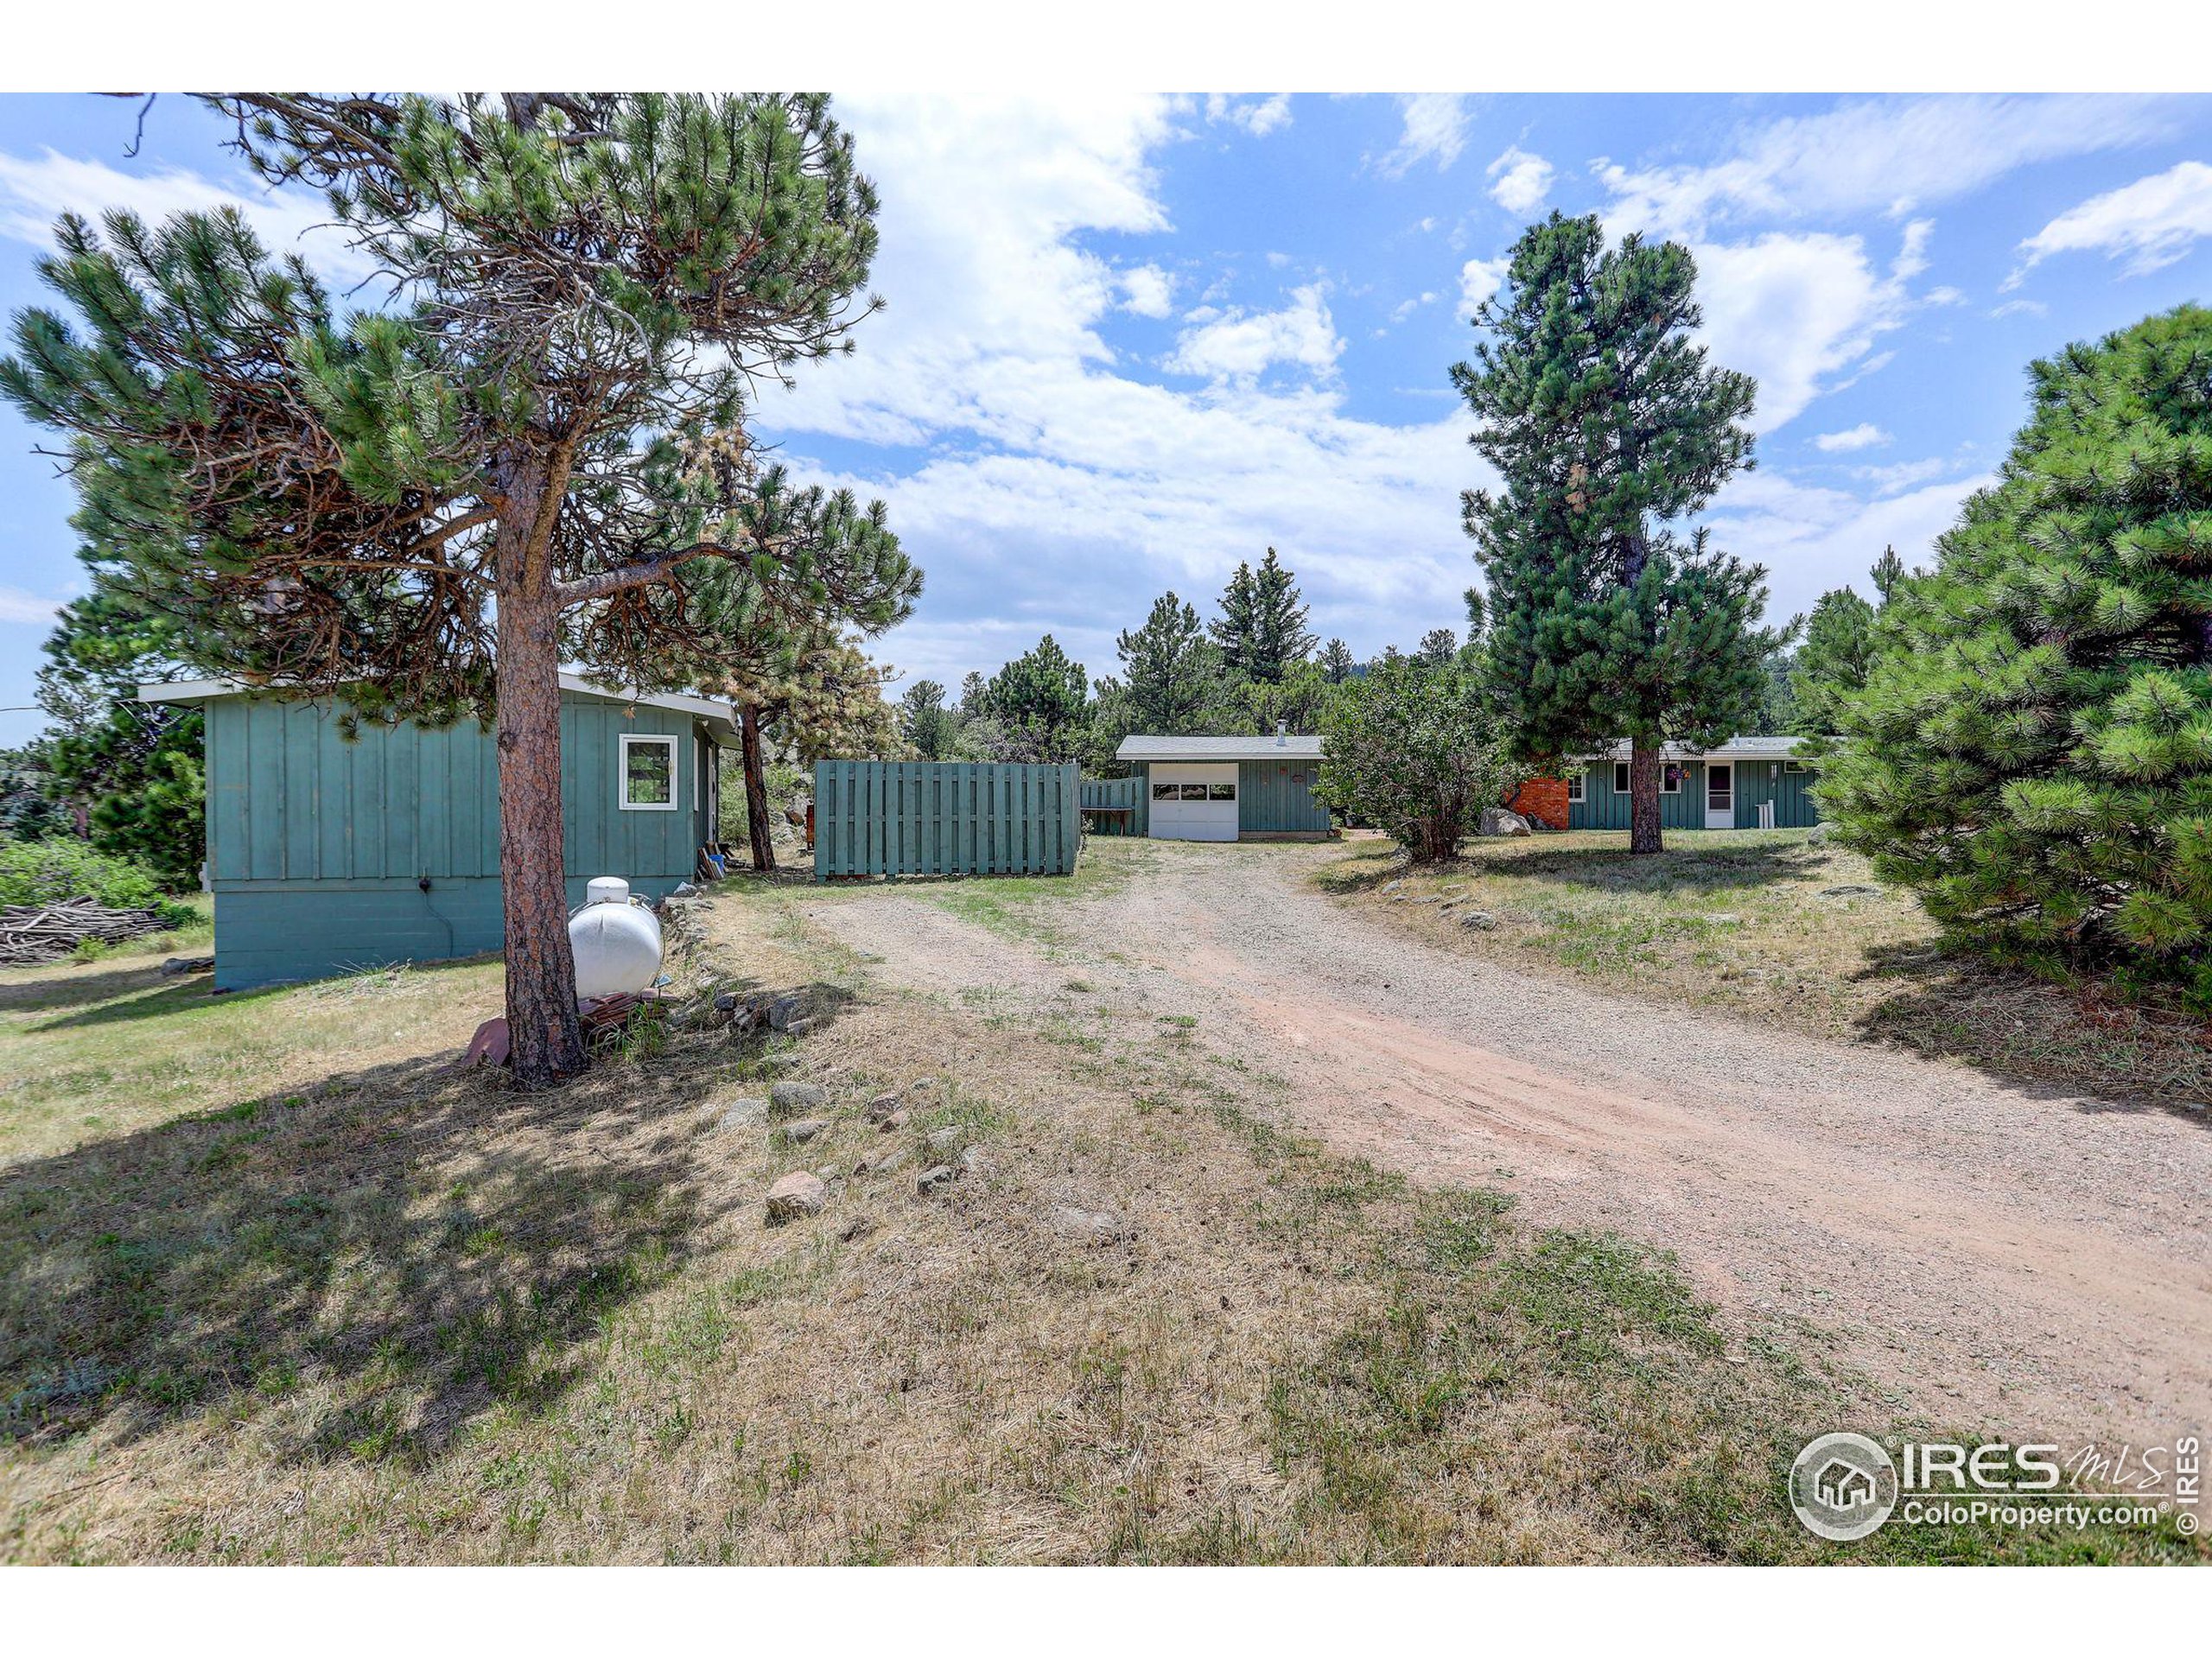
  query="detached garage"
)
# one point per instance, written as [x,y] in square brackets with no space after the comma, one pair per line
[1226,788]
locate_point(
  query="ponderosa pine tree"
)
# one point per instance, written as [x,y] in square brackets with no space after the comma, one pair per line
[1041,703]
[1337,662]
[429,506]
[2033,751]
[1261,630]
[1889,571]
[1604,420]
[1171,678]
[924,722]
[1832,664]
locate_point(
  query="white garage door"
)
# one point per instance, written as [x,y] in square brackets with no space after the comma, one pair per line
[1191,802]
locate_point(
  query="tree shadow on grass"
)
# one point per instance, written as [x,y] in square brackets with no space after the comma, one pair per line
[2053,1041]
[422,1245]
[1692,863]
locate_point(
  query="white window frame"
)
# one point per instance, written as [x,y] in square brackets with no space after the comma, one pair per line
[1620,777]
[1575,787]
[1682,772]
[622,800]
[1794,767]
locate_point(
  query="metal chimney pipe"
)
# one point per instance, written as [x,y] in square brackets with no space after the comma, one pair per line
[1283,733]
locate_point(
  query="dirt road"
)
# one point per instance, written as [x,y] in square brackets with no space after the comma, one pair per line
[2021,1263]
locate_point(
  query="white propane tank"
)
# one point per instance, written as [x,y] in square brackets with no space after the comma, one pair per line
[616,943]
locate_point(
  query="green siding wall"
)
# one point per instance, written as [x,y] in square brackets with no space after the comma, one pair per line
[316,845]
[1757,781]
[1276,797]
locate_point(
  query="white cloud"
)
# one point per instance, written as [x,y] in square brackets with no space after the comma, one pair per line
[1521,182]
[1865,435]
[1258,116]
[1151,291]
[1793,309]
[1811,540]
[36,191]
[1869,157]
[1056,492]
[1405,309]
[1478,280]
[1240,344]
[16,606]
[2150,223]
[2021,308]
[1887,481]
[1435,128]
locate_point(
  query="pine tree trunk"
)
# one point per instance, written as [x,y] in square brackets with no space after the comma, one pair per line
[1644,800]
[542,1026]
[756,788]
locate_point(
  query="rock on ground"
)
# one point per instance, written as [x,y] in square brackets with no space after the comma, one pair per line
[805,1129]
[934,1177]
[790,1099]
[798,1194]
[1497,821]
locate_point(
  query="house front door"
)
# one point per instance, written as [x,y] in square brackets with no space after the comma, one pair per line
[1719,795]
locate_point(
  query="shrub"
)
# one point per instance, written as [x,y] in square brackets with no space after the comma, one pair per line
[46,871]
[1415,749]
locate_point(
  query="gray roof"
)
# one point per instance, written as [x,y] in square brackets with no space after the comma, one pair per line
[720,718]
[1267,747]
[1736,748]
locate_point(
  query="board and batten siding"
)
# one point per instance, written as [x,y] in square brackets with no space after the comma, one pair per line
[318,846]
[1757,781]
[935,817]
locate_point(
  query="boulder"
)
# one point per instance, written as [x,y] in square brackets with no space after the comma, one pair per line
[1819,837]
[727,1002]
[1497,821]
[176,965]
[801,1025]
[791,1099]
[936,1178]
[1089,1226]
[1481,920]
[882,1106]
[891,1161]
[782,1010]
[798,1194]
[804,1129]
[747,1114]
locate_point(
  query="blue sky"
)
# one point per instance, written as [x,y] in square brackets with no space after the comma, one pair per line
[1130,340]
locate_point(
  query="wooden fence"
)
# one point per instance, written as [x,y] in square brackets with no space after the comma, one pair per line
[1112,806]
[926,817]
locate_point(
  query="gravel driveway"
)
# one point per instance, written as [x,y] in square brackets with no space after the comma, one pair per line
[2018,1260]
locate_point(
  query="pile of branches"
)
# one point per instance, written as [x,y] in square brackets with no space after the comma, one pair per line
[34,933]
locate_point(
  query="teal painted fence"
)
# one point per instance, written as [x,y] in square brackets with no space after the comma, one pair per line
[926,817]
[1113,806]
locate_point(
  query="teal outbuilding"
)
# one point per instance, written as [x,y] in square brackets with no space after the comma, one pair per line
[1747,783]
[327,853]
[1218,788]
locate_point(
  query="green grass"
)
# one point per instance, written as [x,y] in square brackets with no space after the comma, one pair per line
[1026,907]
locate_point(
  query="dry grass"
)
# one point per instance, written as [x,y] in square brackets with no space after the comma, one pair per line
[410,1315]
[1747,924]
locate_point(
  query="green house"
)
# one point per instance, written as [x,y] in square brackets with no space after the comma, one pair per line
[1224,788]
[327,853]
[1747,783]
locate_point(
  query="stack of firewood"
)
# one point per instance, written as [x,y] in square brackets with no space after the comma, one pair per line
[36,933]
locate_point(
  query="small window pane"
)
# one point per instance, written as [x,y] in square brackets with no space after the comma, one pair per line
[1163,791]
[1574,789]
[648,773]
[1194,791]
[1221,791]
[1620,777]
[1671,777]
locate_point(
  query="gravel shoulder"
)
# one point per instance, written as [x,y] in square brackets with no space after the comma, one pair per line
[2021,1261]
